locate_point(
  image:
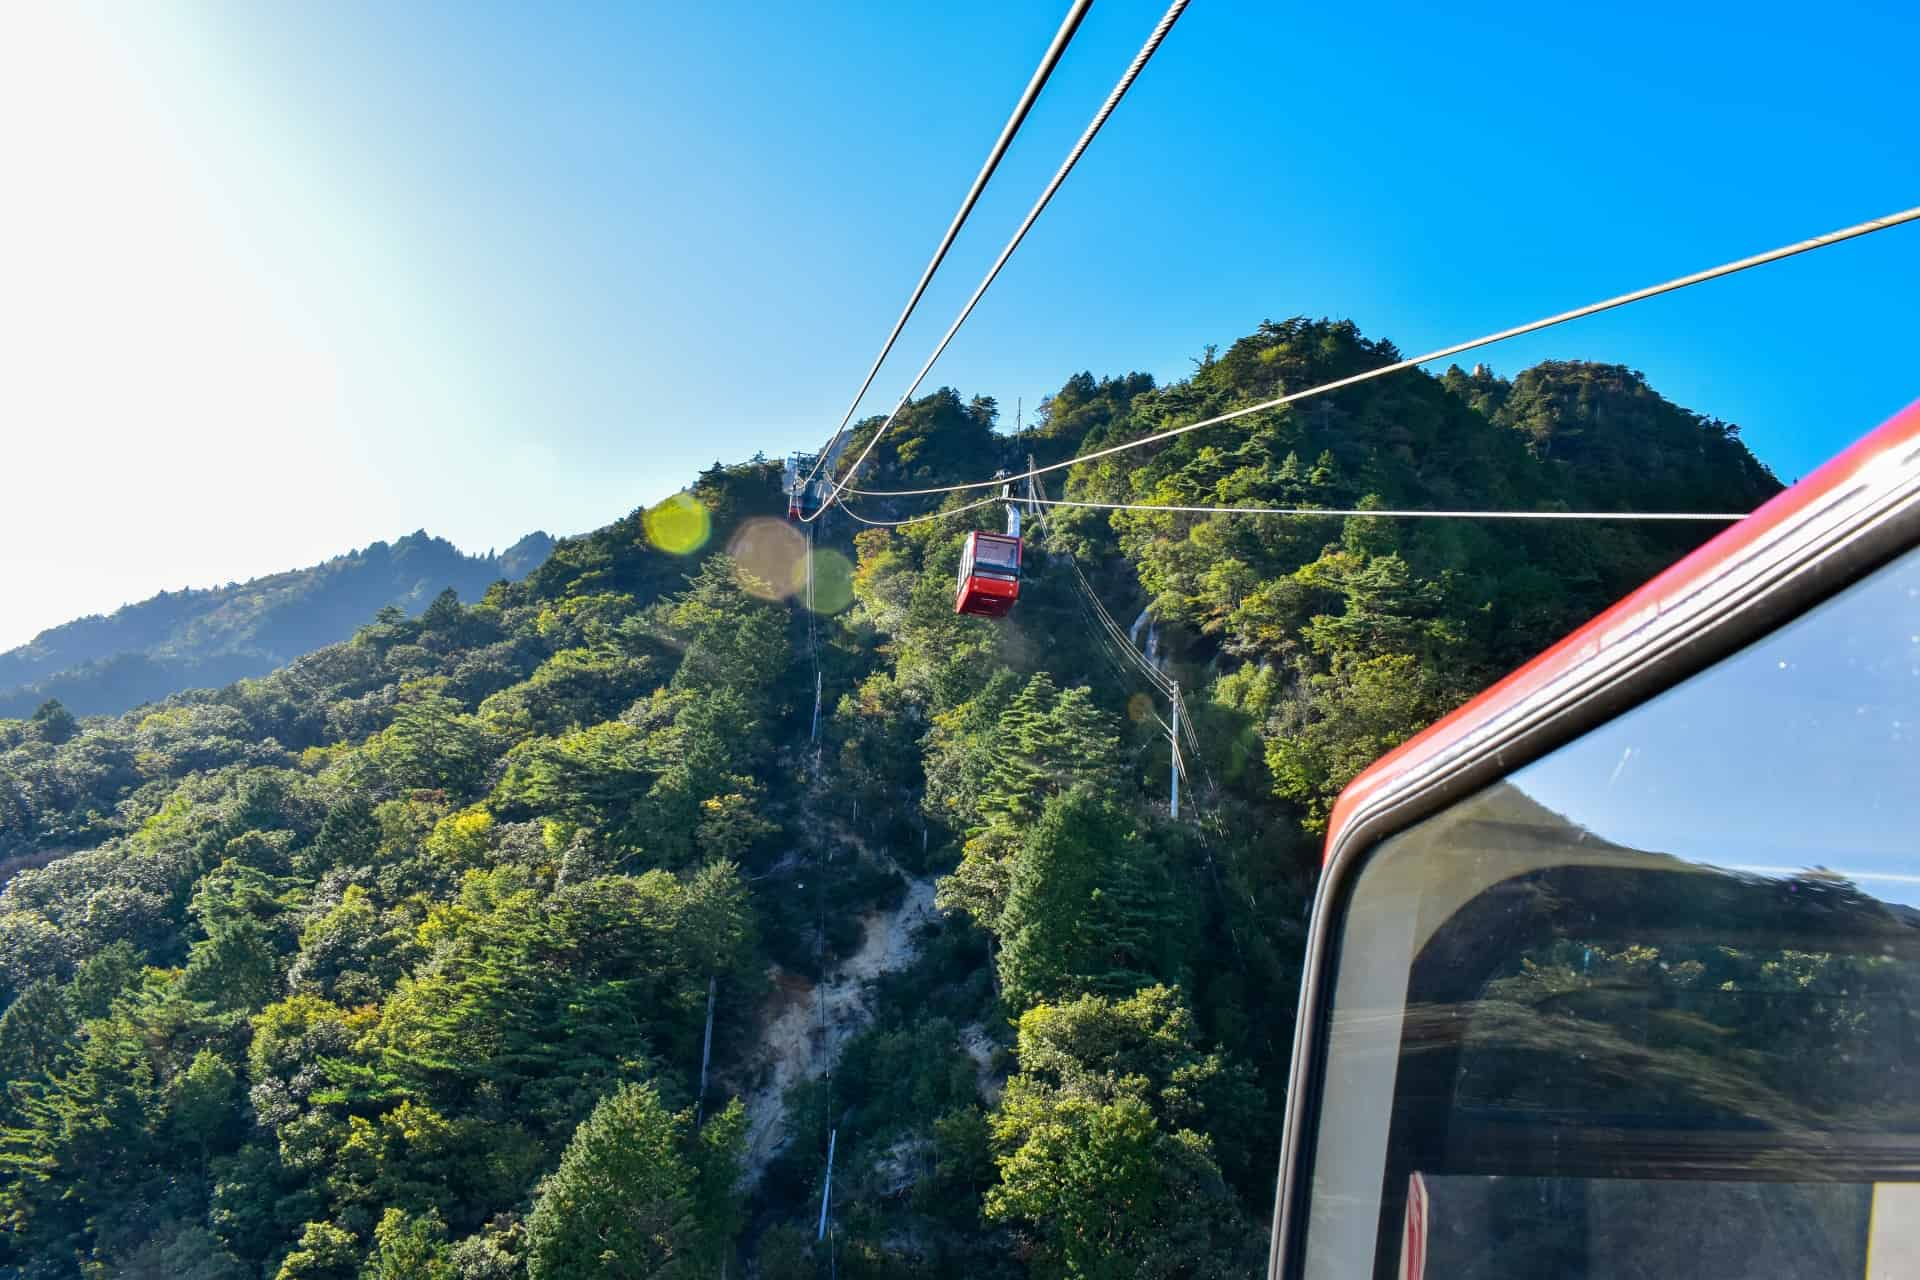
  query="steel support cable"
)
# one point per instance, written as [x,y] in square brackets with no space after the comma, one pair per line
[1209,805]
[1193,740]
[1125,83]
[1108,632]
[1116,630]
[1533,326]
[1104,642]
[1391,513]
[1723,517]
[1111,645]
[1100,635]
[1153,674]
[931,515]
[1048,61]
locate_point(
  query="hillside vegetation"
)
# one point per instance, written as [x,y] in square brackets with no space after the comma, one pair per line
[396,962]
[198,638]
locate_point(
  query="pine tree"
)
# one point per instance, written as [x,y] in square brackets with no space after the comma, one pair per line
[635,1196]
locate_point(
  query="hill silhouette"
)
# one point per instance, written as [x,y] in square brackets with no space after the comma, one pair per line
[177,640]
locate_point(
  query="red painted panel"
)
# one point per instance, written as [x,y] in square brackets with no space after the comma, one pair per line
[988,597]
[1591,642]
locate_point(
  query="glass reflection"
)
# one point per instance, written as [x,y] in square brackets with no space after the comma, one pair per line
[1651,1006]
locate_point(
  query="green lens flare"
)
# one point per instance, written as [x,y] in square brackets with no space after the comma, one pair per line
[832,581]
[680,525]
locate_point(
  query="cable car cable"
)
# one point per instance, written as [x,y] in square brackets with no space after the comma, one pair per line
[1048,62]
[1114,629]
[1066,166]
[1207,805]
[1722,517]
[1533,326]
[1725,517]
[1101,635]
[1153,674]
[1157,677]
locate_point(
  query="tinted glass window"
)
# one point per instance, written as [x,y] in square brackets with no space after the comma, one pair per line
[1651,1005]
[1001,554]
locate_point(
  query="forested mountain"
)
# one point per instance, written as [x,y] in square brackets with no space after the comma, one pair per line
[200,638]
[396,962]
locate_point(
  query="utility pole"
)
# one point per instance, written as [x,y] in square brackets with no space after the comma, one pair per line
[1173,741]
[706,1056]
[826,1192]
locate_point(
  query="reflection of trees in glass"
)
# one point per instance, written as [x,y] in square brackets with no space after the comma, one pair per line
[1686,999]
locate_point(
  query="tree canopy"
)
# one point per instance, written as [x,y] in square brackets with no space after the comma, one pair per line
[394,958]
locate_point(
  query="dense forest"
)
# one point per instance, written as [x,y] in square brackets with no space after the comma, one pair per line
[398,961]
[196,638]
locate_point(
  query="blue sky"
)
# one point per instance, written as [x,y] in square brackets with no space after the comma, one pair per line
[289,278]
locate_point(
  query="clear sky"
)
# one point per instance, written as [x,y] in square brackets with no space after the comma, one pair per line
[280,279]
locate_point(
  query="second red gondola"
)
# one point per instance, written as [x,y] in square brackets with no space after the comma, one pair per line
[989,575]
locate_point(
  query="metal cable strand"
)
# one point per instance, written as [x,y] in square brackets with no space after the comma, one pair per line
[1724,517]
[931,515]
[1106,644]
[1534,326]
[1390,513]
[1073,157]
[1193,740]
[1120,635]
[1048,62]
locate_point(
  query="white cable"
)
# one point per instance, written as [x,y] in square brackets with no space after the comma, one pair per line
[1723,517]
[931,515]
[1158,678]
[1594,308]
[1073,157]
[1048,62]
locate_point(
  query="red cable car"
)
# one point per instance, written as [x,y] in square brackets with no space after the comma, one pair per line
[1616,970]
[989,575]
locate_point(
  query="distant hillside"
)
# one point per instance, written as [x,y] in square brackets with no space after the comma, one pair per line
[200,638]
[397,961]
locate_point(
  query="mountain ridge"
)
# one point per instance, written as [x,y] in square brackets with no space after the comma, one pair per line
[211,636]
[404,943]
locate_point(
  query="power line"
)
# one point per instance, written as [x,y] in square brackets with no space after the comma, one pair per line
[1534,326]
[1066,166]
[1048,62]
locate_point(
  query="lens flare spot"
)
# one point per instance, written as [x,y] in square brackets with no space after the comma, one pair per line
[832,581]
[1139,708]
[767,556]
[679,525]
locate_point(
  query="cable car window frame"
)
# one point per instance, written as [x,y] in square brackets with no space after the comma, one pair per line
[978,543]
[1859,523]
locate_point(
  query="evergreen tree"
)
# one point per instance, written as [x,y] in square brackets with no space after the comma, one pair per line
[1089,907]
[36,1037]
[628,1198]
